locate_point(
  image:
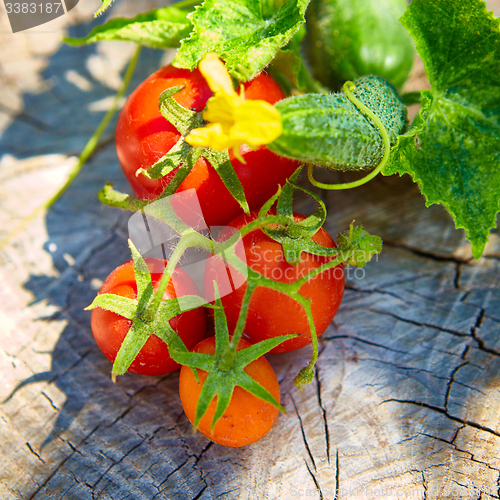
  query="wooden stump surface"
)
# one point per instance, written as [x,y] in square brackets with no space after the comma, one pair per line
[406,399]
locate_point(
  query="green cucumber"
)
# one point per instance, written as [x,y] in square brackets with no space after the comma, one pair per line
[352,38]
[329,130]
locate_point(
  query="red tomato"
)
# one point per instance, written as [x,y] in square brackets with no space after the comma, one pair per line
[247,418]
[272,313]
[143,136]
[109,329]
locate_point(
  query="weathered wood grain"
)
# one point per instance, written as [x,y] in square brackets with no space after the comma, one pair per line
[406,398]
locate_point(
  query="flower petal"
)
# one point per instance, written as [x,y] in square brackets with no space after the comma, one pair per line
[256,122]
[233,121]
[211,135]
[221,108]
[216,75]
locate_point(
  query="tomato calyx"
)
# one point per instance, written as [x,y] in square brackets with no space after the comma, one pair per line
[184,120]
[226,366]
[183,156]
[296,237]
[147,314]
[363,245]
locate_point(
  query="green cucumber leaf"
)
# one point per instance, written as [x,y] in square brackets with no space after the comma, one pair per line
[270,6]
[160,29]
[240,34]
[452,150]
[289,69]
[289,64]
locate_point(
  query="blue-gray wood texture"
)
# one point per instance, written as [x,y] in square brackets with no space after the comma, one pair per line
[406,398]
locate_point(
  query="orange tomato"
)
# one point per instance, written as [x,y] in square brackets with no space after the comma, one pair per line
[247,418]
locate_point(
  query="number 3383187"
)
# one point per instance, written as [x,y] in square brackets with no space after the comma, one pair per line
[32,8]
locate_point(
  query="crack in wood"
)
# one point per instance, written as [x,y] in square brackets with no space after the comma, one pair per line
[58,468]
[364,341]
[178,468]
[480,342]
[405,367]
[54,407]
[424,481]
[323,413]
[34,122]
[120,417]
[70,444]
[303,433]
[492,256]
[421,324]
[200,493]
[471,455]
[150,467]
[337,476]
[35,453]
[452,379]
[316,483]
[350,286]
[458,275]
[427,254]
[202,452]
[150,386]
[470,423]
[94,486]
[227,492]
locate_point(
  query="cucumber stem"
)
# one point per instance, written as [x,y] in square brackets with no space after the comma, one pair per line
[348,87]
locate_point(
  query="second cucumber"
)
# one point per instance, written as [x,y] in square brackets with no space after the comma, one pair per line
[352,38]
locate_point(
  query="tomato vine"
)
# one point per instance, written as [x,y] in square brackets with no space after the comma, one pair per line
[363,127]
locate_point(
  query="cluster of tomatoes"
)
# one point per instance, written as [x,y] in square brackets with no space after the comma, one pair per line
[143,136]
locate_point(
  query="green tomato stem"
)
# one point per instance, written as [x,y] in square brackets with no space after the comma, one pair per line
[227,251]
[306,375]
[190,238]
[256,224]
[240,325]
[348,86]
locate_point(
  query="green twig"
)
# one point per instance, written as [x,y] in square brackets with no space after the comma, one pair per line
[84,155]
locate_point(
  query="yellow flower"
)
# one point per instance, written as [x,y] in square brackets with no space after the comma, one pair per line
[232,121]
